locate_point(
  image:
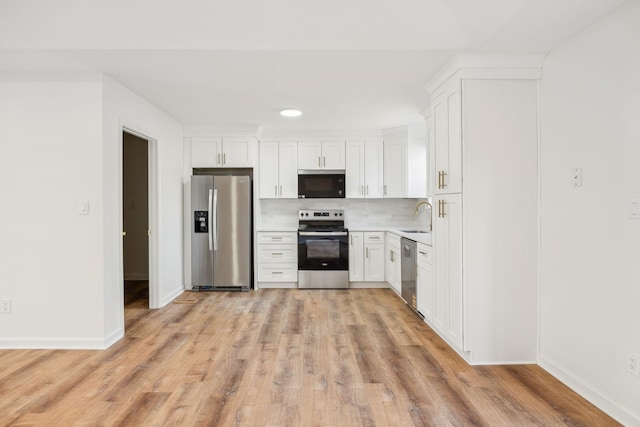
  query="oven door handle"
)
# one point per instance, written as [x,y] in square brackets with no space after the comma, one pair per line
[323,233]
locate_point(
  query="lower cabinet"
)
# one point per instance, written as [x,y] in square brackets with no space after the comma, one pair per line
[374,256]
[447,238]
[356,257]
[277,257]
[425,281]
[366,256]
[392,261]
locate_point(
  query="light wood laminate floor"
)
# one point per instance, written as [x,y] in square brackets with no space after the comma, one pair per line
[279,358]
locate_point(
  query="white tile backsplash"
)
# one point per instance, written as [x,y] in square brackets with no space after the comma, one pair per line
[359,213]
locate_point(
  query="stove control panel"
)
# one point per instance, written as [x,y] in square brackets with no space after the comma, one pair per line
[321,215]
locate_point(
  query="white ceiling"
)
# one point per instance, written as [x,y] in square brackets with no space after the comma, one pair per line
[348,64]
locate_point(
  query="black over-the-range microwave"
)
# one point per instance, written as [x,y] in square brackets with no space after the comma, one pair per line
[321,184]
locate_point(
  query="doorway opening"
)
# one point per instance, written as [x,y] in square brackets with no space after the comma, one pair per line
[135,220]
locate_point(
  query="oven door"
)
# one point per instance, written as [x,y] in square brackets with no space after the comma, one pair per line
[323,250]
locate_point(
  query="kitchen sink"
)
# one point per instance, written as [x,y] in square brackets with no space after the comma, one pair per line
[413,231]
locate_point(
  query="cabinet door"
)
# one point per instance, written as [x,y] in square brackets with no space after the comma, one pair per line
[333,156]
[373,169]
[310,155]
[269,185]
[395,167]
[288,170]
[236,152]
[425,279]
[449,310]
[374,262]
[356,257]
[354,169]
[393,268]
[206,152]
[446,111]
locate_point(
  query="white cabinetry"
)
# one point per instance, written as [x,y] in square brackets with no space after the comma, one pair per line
[277,259]
[366,256]
[446,111]
[405,162]
[449,307]
[224,152]
[484,123]
[425,281]
[393,261]
[364,169]
[315,155]
[278,170]
[374,256]
[356,256]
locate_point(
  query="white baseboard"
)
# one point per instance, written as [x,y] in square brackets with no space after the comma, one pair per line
[622,414]
[173,295]
[503,362]
[113,337]
[61,343]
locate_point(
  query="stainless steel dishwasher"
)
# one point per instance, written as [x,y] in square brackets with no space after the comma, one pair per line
[408,272]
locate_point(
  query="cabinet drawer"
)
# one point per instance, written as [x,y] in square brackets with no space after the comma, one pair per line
[278,253]
[393,240]
[277,237]
[374,237]
[278,272]
[425,255]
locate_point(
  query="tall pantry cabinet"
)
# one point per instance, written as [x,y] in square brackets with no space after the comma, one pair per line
[484,185]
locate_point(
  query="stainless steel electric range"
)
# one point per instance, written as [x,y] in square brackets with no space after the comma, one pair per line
[323,250]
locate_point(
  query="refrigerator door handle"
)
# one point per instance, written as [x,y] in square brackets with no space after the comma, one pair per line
[210,219]
[215,220]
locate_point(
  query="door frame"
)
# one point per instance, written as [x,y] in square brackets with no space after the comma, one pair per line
[152,209]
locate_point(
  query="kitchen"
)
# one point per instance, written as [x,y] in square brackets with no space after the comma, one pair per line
[586,233]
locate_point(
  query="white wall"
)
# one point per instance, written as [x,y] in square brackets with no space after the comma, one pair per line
[124,108]
[50,256]
[590,249]
[61,143]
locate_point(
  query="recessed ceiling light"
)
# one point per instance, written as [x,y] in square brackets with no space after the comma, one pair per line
[291,112]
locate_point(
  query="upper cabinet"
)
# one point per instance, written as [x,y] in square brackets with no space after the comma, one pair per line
[405,162]
[445,123]
[316,155]
[278,170]
[225,152]
[364,169]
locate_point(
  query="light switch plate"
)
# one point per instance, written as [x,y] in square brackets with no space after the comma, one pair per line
[83,207]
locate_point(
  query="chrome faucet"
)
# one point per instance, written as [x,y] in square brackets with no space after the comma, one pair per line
[417,210]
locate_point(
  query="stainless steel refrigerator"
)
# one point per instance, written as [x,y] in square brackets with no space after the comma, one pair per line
[221,232]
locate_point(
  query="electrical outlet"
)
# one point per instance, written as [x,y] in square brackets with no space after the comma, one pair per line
[5,306]
[633,363]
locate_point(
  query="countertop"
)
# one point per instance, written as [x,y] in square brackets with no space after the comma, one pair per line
[424,238]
